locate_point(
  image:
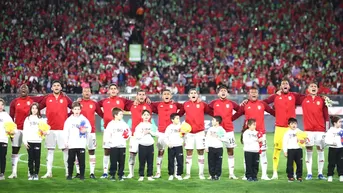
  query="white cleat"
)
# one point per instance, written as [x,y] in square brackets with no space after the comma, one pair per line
[265,178]
[202,177]
[341,178]
[244,178]
[187,177]
[12,176]
[330,179]
[158,175]
[151,179]
[47,176]
[140,179]
[2,177]
[275,176]
[233,177]
[171,177]
[129,176]
[179,177]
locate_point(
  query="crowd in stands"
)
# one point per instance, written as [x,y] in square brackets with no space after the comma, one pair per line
[186,43]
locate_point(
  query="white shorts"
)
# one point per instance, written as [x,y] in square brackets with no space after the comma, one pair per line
[161,141]
[55,137]
[229,140]
[197,139]
[91,141]
[315,139]
[133,145]
[17,139]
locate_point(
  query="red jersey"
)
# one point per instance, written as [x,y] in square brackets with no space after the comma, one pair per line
[195,115]
[224,108]
[89,108]
[109,103]
[254,110]
[164,110]
[56,110]
[20,109]
[315,113]
[136,114]
[284,106]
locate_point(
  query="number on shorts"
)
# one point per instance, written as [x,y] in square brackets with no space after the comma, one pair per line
[94,142]
[231,141]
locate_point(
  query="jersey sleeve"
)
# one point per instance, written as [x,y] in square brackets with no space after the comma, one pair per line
[98,110]
[154,106]
[101,102]
[42,104]
[238,113]
[128,105]
[270,99]
[268,109]
[208,110]
[236,107]
[181,109]
[299,98]
[12,108]
[37,99]
[326,116]
[70,102]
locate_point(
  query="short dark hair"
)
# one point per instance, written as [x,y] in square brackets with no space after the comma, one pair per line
[192,89]
[292,120]
[144,111]
[222,87]
[113,84]
[173,115]
[253,88]
[75,104]
[56,81]
[141,90]
[115,111]
[285,80]
[165,90]
[312,83]
[219,119]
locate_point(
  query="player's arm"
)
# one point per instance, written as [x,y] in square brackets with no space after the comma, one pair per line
[181,109]
[270,99]
[207,109]
[326,116]
[154,106]
[238,113]
[70,102]
[98,110]
[299,98]
[42,104]
[127,103]
[37,99]
[101,102]
[268,109]
[12,108]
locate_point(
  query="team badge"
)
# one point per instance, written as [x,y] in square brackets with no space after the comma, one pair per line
[161,106]
[217,105]
[50,100]
[307,101]
[18,104]
[248,107]
[61,100]
[118,102]
[259,107]
[289,98]
[108,101]
[280,97]
[144,107]
[187,106]
[28,103]
[318,102]
[91,106]
[171,106]
[227,106]
[198,106]
[135,106]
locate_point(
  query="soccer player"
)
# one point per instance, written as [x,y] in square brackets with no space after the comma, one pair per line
[316,123]
[164,109]
[333,138]
[284,105]
[146,142]
[224,107]
[108,104]
[251,148]
[214,147]
[174,142]
[75,130]
[19,110]
[32,140]
[89,108]
[254,109]
[136,114]
[116,134]
[56,105]
[195,117]
[4,117]
[293,151]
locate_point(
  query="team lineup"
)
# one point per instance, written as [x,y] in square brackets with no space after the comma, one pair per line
[74,132]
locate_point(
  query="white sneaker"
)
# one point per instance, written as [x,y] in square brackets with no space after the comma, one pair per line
[265,178]
[233,177]
[244,178]
[12,176]
[151,179]
[2,177]
[129,176]
[47,176]
[209,178]
[202,177]
[30,178]
[140,179]
[35,177]
[330,179]
[187,177]
[341,178]
[158,175]
[275,176]
[179,177]
[171,177]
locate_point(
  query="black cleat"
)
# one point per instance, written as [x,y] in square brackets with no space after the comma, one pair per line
[82,178]
[121,178]
[113,178]
[92,176]
[77,176]
[69,178]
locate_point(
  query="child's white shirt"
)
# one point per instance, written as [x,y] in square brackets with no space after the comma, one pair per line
[113,134]
[144,139]
[212,139]
[71,131]
[173,138]
[290,140]
[30,130]
[332,138]
[4,117]
[250,141]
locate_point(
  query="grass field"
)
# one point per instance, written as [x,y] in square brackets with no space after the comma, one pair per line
[60,184]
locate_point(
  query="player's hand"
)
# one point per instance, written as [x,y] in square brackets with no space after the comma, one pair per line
[278,92]
[148,101]
[199,100]
[79,99]
[136,102]
[244,102]
[325,97]
[260,139]
[206,150]
[27,145]
[285,154]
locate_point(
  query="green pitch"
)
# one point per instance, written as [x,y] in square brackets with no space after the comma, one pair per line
[59,184]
